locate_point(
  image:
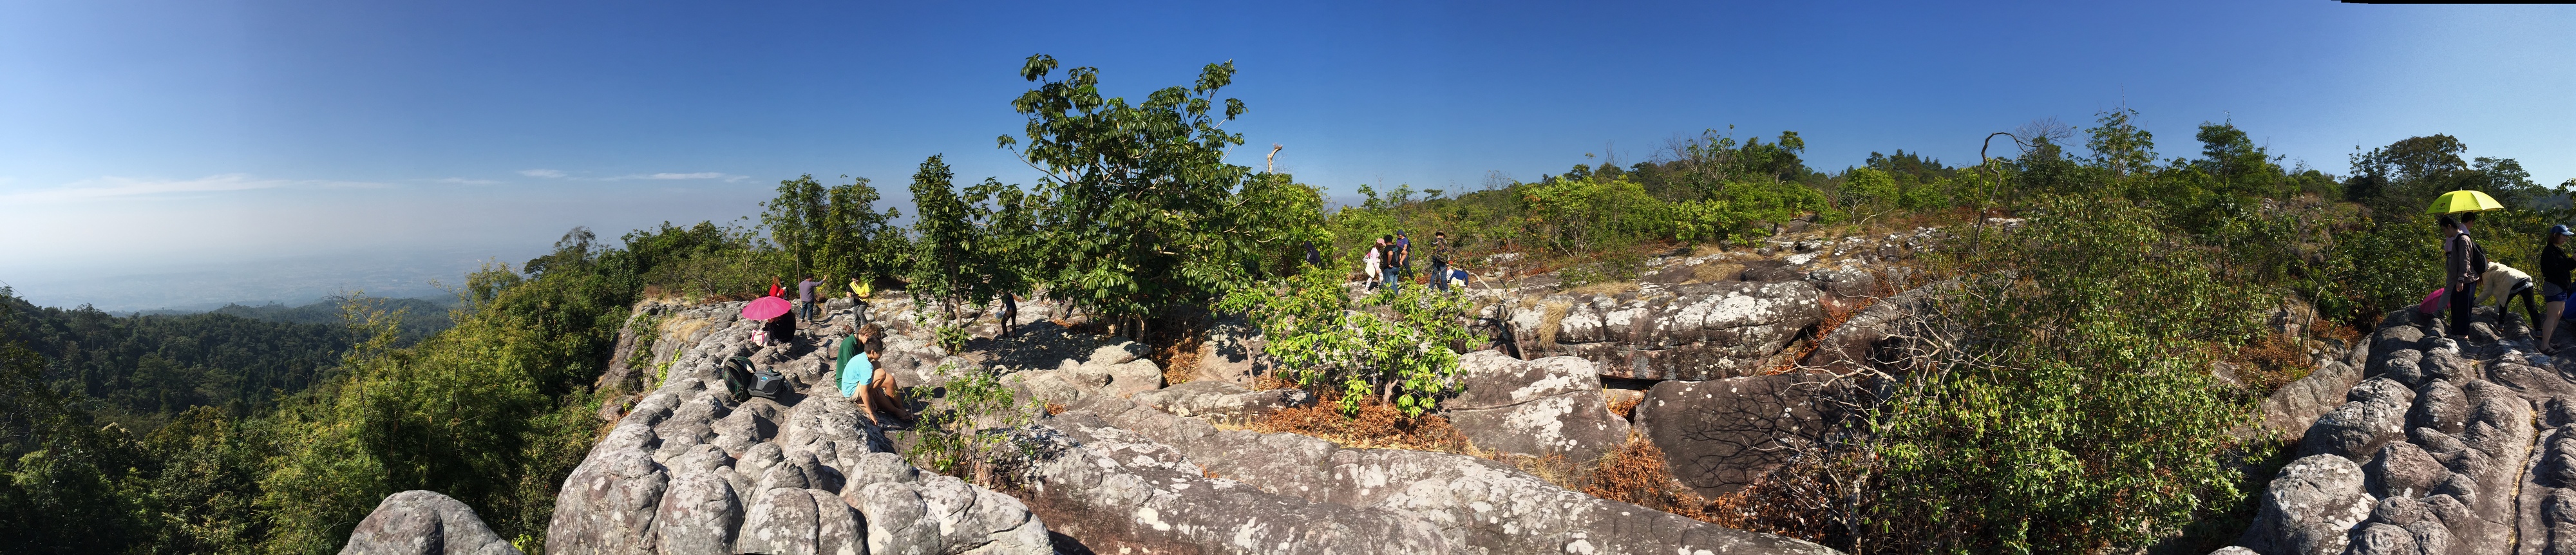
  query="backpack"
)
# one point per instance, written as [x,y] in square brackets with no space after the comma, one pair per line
[737,374]
[769,385]
[2477,258]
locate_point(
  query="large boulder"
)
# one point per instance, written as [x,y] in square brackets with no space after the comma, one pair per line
[1537,408]
[422,522]
[2374,413]
[2310,507]
[1720,435]
[1679,332]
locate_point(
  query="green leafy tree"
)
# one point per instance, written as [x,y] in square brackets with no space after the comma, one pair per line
[944,245]
[1397,348]
[1142,208]
[2120,146]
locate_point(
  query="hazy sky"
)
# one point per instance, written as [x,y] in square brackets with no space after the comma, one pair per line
[212,150]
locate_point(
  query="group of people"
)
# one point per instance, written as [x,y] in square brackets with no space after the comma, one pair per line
[859,346]
[1389,261]
[2469,278]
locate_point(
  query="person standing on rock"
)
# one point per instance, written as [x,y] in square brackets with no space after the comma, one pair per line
[2556,271]
[805,298]
[1387,253]
[2460,274]
[1403,257]
[1372,261]
[859,300]
[1440,261]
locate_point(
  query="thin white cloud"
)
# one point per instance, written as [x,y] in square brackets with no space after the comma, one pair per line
[668,176]
[464,181]
[542,173]
[111,187]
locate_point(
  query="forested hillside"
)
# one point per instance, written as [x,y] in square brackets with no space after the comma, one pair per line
[2070,406]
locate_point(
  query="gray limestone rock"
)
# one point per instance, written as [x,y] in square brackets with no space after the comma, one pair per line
[1541,407]
[2375,415]
[1720,435]
[793,521]
[698,516]
[2403,470]
[2439,405]
[422,522]
[2383,539]
[2309,508]
[1473,505]
[1688,332]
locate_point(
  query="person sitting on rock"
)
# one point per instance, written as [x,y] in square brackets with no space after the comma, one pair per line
[860,380]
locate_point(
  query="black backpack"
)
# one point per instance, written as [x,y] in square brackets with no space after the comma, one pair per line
[2477,257]
[742,379]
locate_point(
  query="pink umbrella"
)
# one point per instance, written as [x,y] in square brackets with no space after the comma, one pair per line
[766,308]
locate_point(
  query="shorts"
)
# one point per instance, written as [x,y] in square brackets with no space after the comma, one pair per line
[2554,293]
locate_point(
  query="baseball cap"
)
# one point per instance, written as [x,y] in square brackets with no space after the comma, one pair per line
[2561,229]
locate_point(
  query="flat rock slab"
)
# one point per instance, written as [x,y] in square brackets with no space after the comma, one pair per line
[1476,505]
[1549,406]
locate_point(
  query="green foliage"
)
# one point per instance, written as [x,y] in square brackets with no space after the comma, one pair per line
[833,232]
[1399,348]
[2078,415]
[144,369]
[1141,212]
[963,435]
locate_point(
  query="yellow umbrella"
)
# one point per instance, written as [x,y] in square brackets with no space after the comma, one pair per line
[2463,201]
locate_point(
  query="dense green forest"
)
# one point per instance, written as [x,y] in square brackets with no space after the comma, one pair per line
[2077,336]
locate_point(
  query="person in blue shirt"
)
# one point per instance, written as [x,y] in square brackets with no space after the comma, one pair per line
[861,382]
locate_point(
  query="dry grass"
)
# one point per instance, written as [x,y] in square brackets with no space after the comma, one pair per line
[1605,288]
[1837,312]
[1180,360]
[1377,426]
[1635,473]
[1715,272]
[1551,315]
[2269,363]
[1624,407]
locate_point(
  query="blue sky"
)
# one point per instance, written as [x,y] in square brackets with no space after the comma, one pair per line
[164,145]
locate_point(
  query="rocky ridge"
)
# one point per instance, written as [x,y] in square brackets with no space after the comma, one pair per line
[2445,445]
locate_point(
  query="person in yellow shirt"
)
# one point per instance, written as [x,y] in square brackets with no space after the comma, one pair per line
[859,300]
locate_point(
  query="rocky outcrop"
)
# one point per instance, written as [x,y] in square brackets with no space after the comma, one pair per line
[2448,446]
[1720,435]
[689,470]
[1472,505]
[1541,407]
[1695,331]
[420,522]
